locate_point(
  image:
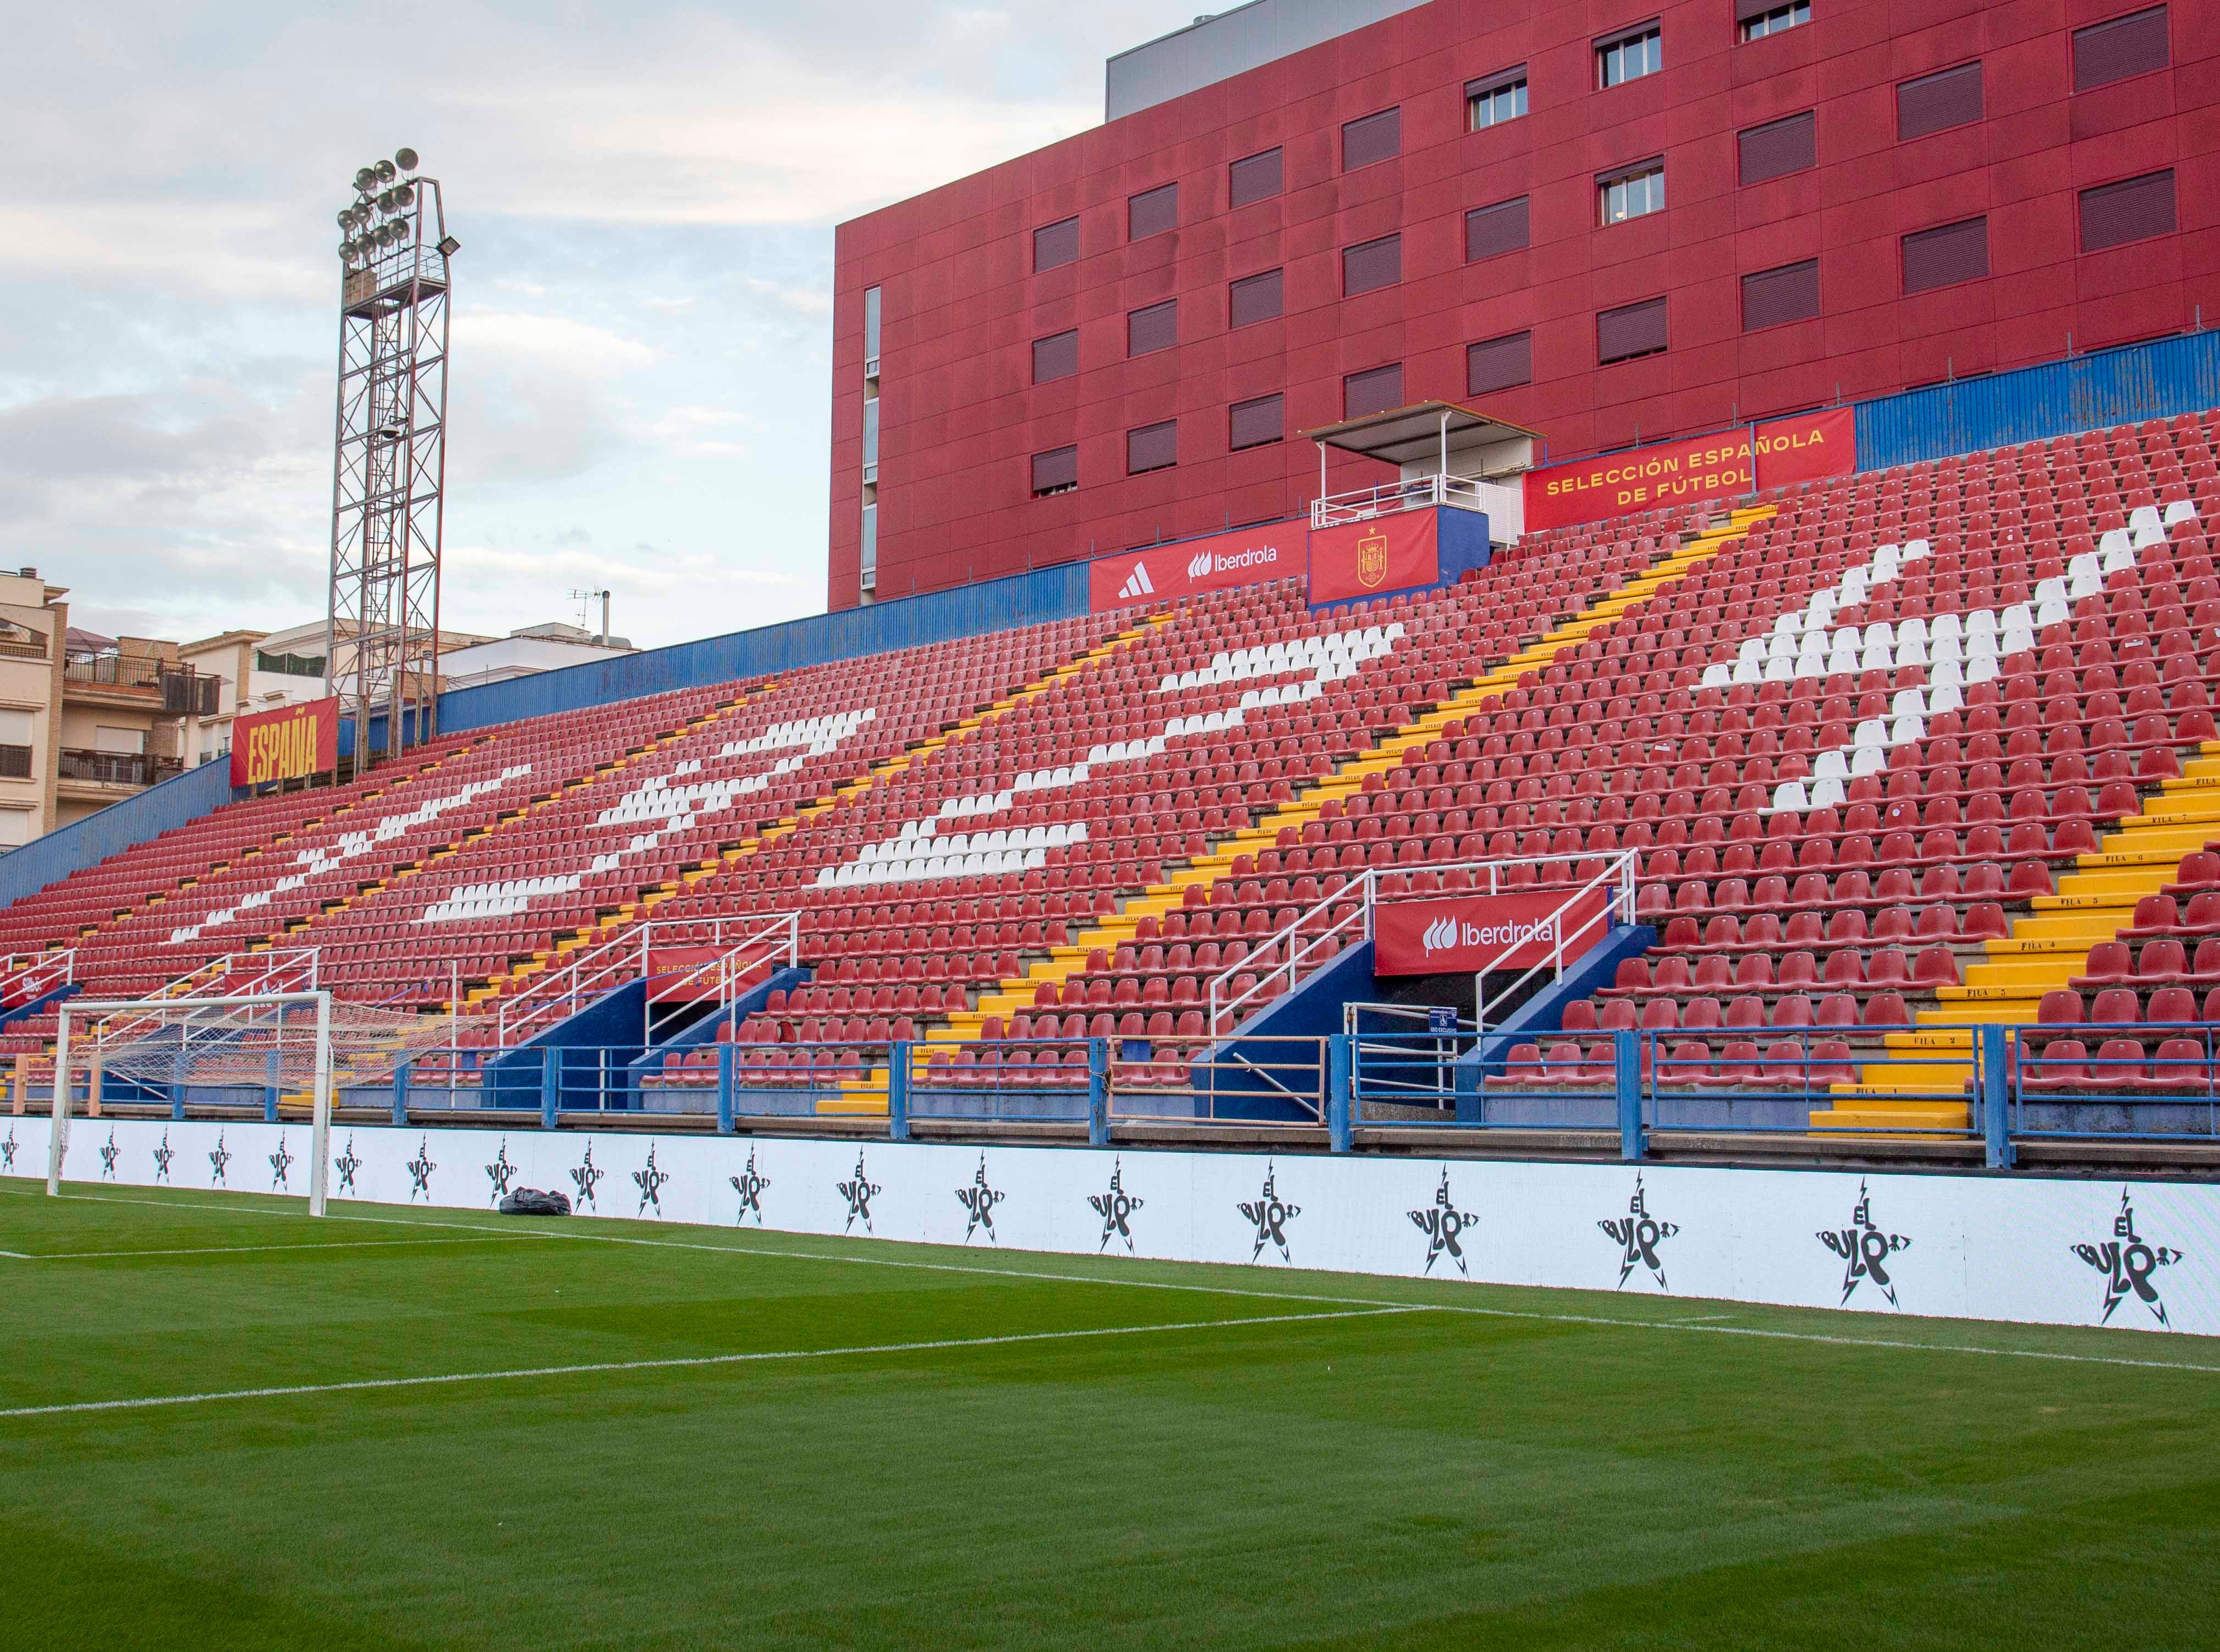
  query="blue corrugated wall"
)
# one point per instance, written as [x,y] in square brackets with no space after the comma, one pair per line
[2140,380]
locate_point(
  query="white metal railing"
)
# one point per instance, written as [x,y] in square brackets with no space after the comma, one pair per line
[1227,1006]
[234,975]
[27,976]
[621,959]
[1414,493]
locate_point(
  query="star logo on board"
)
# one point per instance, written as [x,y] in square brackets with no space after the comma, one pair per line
[749,1186]
[1865,1250]
[420,1171]
[163,1154]
[2128,1260]
[501,1173]
[1444,1226]
[280,1162]
[979,1201]
[219,1156]
[650,1181]
[586,1176]
[1116,1209]
[1638,1237]
[8,1150]
[859,1195]
[347,1164]
[108,1155]
[1270,1217]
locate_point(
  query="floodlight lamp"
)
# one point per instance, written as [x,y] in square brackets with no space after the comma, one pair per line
[364,179]
[449,247]
[347,219]
[387,171]
[347,250]
[403,197]
[405,159]
[385,200]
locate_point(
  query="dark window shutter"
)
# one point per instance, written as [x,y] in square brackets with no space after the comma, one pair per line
[2106,51]
[1947,254]
[1055,469]
[1371,265]
[1773,296]
[1631,330]
[1055,244]
[1254,298]
[1376,137]
[1935,102]
[1780,147]
[1152,447]
[1152,212]
[1252,424]
[1255,179]
[1373,390]
[1496,81]
[1746,9]
[2130,210]
[1154,328]
[1500,228]
[1499,364]
[1055,357]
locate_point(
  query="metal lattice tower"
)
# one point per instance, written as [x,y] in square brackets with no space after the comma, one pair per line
[390,456]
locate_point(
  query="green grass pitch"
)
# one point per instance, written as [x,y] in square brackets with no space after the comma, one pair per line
[957,1449]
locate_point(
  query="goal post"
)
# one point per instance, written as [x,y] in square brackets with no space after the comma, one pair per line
[168,1049]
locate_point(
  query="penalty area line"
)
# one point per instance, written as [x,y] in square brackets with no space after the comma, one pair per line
[688,1362]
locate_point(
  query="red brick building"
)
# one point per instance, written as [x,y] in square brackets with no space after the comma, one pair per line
[1604,223]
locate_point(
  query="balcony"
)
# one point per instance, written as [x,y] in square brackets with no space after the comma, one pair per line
[143,682]
[129,770]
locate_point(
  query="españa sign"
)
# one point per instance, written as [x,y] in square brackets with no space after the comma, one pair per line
[1801,449]
[285,743]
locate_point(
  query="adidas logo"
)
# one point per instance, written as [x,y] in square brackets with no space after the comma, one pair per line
[1440,934]
[1138,584]
[1200,568]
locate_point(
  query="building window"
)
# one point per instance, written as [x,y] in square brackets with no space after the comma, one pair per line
[1373,390]
[1499,364]
[1778,147]
[1371,265]
[1056,244]
[872,308]
[1492,230]
[14,743]
[1152,447]
[1774,297]
[870,432]
[1629,56]
[2133,210]
[1152,212]
[1631,194]
[867,558]
[1255,423]
[1629,331]
[1496,98]
[1253,298]
[1055,356]
[290,665]
[1154,328]
[1937,101]
[1374,138]
[15,826]
[1946,255]
[1253,178]
[1759,18]
[1055,472]
[2133,45]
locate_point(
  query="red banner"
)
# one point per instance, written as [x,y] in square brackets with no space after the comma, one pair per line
[1247,555]
[285,743]
[1459,934]
[1388,553]
[1801,449]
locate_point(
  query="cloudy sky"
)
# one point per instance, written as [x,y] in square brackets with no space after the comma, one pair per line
[646,197]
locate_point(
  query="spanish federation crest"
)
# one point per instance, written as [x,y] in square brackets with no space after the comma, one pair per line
[1270,1217]
[1865,1250]
[979,1200]
[1444,1226]
[2128,1260]
[1638,1237]
[1372,558]
[1116,1209]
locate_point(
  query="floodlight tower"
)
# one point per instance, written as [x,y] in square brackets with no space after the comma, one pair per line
[390,462]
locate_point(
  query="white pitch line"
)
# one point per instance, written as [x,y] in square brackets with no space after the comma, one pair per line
[690,1362]
[1693,1326]
[250,1249]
